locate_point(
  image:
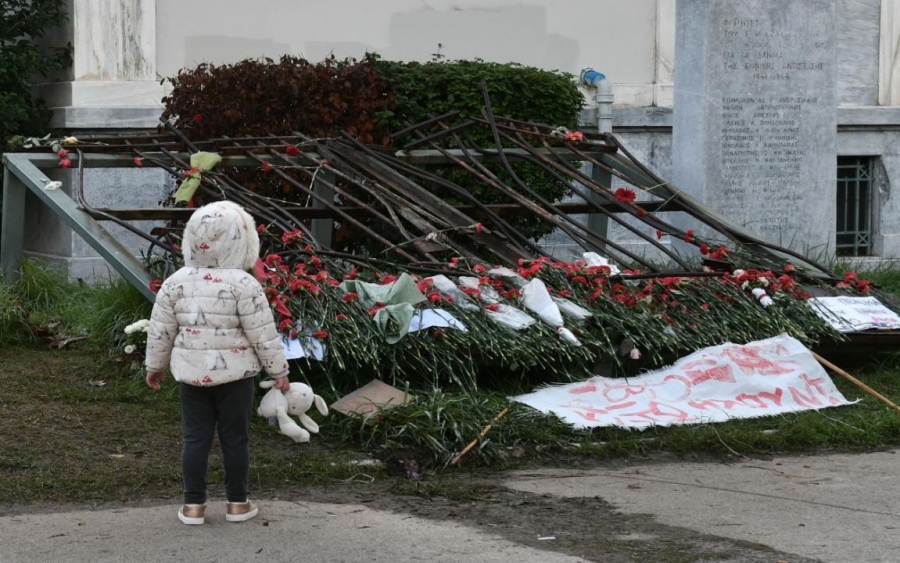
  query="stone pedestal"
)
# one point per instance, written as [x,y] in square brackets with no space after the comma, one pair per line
[51,240]
[113,81]
[111,85]
[755,115]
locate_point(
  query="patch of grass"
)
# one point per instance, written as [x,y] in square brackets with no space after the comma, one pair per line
[884,275]
[13,325]
[80,427]
[111,308]
[43,302]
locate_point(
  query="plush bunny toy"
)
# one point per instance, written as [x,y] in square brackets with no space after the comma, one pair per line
[299,399]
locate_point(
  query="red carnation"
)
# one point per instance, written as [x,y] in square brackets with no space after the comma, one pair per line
[720,253]
[291,237]
[138,161]
[320,334]
[291,150]
[280,307]
[625,195]
[155,284]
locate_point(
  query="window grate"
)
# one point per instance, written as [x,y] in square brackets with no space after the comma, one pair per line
[854,206]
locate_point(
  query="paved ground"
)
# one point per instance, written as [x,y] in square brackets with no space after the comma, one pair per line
[835,509]
[287,531]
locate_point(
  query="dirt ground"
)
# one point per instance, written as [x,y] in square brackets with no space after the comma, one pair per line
[588,527]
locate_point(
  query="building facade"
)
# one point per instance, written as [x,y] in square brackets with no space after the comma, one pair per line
[122,51]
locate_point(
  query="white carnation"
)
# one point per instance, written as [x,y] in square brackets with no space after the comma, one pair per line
[130,349]
[141,325]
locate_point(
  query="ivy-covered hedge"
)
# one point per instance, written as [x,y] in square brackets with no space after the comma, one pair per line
[523,92]
[369,98]
[24,59]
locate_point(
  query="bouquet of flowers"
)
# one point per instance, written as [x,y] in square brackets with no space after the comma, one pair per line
[134,343]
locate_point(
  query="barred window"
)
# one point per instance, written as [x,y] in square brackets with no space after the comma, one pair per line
[854,205]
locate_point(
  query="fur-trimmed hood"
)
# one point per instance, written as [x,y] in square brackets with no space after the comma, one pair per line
[221,235]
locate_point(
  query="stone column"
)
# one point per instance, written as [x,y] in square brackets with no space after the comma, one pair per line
[755,121]
[113,81]
[665,53]
[111,87]
[889,54]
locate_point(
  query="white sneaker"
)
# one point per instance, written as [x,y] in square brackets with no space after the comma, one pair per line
[240,511]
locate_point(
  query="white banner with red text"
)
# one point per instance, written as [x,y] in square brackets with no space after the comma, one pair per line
[763,378]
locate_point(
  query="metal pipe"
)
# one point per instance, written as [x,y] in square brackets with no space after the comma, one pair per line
[603,96]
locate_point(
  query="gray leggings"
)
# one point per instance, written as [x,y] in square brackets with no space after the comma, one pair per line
[204,410]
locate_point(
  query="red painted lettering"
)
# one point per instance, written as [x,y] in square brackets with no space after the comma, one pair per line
[760,398]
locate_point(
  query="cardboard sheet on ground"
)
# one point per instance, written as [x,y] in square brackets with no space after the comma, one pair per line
[374,394]
[853,314]
[762,378]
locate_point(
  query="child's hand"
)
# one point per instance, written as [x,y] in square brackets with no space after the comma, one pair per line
[282,384]
[154,378]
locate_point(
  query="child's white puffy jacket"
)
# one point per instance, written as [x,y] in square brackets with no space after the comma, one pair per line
[211,322]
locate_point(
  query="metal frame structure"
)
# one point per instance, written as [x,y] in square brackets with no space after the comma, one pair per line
[23,172]
[394,189]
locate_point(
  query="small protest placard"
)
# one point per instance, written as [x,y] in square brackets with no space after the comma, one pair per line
[854,314]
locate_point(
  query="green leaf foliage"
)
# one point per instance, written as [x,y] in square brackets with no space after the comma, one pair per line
[25,58]
[422,90]
[523,92]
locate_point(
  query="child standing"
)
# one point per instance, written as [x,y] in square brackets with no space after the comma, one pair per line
[212,326]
